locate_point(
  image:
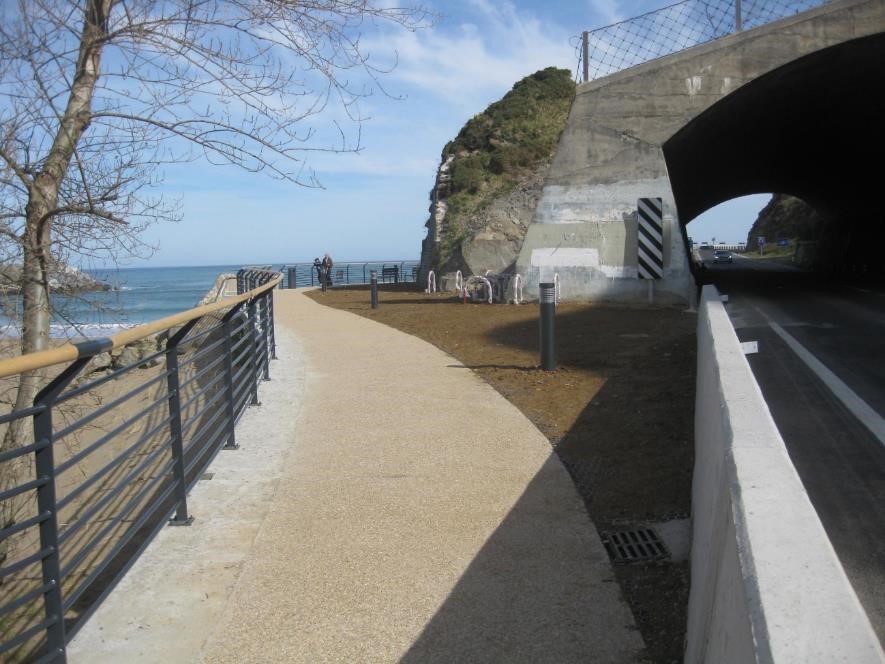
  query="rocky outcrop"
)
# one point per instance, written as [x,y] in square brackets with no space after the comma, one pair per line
[495,234]
[217,291]
[789,218]
[785,217]
[64,279]
[140,353]
[491,176]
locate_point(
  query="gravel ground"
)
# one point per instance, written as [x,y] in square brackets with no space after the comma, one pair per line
[618,411]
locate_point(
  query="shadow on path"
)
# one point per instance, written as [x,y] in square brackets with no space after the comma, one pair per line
[540,589]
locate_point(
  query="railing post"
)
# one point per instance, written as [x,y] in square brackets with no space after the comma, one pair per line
[585,53]
[173,391]
[44,463]
[271,328]
[253,352]
[263,333]
[227,331]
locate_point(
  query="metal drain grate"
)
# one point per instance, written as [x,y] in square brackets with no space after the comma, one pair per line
[633,546]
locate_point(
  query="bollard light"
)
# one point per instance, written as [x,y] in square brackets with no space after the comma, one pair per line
[547,303]
[292,277]
[374,281]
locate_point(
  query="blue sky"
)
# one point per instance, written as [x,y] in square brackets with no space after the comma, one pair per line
[374,204]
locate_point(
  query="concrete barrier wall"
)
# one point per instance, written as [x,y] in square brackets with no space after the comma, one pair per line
[766,585]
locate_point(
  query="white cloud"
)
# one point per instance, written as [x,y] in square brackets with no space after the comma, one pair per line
[608,10]
[471,64]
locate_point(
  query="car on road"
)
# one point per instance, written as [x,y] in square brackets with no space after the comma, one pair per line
[722,256]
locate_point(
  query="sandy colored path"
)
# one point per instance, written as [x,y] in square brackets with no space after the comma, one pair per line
[417,517]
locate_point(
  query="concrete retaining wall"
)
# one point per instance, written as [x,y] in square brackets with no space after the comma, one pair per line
[766,585]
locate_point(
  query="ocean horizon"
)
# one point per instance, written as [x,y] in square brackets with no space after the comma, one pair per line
[139,295]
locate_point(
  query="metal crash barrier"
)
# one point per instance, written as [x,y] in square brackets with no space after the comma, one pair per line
[106,453]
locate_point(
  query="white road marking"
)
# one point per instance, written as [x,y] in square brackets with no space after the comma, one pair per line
[849,398]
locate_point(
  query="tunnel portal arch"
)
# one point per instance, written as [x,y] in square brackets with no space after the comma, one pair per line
[812,128]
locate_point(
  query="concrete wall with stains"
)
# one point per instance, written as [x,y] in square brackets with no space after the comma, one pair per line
[611,152]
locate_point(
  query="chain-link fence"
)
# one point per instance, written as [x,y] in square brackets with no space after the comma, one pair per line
[675,28]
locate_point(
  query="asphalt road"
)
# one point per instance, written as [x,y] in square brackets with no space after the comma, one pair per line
[821,368]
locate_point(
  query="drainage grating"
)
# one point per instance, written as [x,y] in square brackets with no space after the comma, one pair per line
[633,546]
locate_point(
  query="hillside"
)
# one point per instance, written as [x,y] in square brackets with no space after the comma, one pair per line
[491,175]
[785,218]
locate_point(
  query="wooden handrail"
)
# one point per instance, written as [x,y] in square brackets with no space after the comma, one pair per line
[69,352]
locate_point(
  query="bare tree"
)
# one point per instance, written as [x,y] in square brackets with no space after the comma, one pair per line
[96,96]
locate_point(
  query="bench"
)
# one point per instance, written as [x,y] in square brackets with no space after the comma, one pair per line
[390,273]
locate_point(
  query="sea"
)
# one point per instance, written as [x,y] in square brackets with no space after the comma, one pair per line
[142,294]
[139,295]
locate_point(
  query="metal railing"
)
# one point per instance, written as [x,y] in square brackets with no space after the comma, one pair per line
[103,457]
[299,275]
[675,28]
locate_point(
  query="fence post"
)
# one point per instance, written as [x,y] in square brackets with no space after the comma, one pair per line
[264,331]
[271,328]
[585,53]
[44,463]
[173,391]
[253,352]
[227,331]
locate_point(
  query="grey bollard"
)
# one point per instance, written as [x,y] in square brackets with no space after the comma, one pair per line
[374,281]
[547,303]
[291,277]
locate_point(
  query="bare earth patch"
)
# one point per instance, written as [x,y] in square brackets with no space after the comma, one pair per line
[618,411]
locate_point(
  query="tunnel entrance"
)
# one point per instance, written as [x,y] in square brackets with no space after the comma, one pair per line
[812,129]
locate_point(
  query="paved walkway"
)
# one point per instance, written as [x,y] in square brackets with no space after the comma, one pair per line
[386,505]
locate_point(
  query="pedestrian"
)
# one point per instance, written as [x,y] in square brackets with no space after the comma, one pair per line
[318,266]
[327,271]
[327,268]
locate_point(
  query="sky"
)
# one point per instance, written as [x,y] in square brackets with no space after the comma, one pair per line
[374,204]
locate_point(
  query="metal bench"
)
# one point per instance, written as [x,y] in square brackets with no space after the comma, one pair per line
[388,273]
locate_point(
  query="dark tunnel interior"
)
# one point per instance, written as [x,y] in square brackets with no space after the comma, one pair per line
[812,128]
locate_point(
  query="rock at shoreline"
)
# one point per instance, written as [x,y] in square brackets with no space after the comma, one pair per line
[64,279]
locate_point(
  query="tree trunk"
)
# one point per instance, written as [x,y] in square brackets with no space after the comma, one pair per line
[37,242]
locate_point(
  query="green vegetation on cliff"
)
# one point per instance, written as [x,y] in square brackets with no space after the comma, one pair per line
[785,217]
[503,144]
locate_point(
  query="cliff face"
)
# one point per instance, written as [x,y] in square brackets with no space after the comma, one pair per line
[785,217]
[491,175]
[789,218]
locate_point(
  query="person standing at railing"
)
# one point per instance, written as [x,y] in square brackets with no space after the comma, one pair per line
[318,266]
[327,271]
